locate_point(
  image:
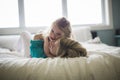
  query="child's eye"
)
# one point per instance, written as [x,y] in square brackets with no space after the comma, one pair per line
[58,34]
[52,31]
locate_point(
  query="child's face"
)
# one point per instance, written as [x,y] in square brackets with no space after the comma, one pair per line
[54,46]
[55,33]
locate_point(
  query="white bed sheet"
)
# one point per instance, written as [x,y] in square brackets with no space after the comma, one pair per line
[6,53]
[101,47]
[101,64]
[95,67]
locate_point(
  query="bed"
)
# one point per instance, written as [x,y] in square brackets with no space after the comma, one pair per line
[102,63]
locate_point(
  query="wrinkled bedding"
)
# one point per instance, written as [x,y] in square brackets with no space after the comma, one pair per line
[101,64]
[101,47]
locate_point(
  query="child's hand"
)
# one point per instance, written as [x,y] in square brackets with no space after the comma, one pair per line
[47,47]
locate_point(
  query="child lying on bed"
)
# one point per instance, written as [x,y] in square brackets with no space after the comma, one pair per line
[63,47]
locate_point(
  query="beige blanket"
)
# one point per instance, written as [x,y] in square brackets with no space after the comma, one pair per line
[97,66]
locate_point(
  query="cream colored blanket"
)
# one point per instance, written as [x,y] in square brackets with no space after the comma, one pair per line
[97,66]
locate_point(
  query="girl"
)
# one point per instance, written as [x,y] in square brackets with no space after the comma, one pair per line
[60,28]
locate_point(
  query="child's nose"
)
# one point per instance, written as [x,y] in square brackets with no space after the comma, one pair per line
[53,37]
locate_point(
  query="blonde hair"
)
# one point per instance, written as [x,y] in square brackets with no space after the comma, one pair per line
[64,25]
[70,48]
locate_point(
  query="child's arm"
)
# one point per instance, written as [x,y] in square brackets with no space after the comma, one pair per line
[38,37]
[46,44]
[46,47]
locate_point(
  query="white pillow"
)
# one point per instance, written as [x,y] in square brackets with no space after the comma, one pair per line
[96,40]
[9,41]
[82,34]
[24,43]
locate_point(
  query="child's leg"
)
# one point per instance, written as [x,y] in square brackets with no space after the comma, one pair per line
[26,37]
